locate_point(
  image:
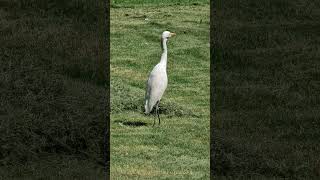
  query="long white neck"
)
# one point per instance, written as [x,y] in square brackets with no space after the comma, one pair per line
[164,51]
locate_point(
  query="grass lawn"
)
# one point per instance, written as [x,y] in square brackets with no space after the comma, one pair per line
[179,148]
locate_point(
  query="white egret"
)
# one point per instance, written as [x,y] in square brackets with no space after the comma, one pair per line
[158,80]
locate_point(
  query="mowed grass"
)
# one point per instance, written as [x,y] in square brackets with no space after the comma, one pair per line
[179,147]
[163,3]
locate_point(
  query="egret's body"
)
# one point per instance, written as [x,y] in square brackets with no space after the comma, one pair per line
[158,79]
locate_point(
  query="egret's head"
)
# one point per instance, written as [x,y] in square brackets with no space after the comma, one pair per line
[167,34]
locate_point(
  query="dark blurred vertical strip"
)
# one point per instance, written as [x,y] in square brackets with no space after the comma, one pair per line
[54,89]
[212,88]
[265,84]
[107,101]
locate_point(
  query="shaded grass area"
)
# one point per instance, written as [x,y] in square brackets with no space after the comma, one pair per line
[52,89]
[54,167]
[267,89]
[179,147]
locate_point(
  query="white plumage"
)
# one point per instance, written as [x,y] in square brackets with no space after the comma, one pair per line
[158,80]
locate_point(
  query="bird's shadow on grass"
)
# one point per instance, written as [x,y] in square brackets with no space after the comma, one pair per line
[131,123]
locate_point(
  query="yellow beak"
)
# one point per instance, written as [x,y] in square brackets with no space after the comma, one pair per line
[172,34]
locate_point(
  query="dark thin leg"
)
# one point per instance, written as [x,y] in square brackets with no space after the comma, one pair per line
[157,110]
[154,119]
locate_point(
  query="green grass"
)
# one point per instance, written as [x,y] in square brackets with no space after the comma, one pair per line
[266,57]
[179,148]
[158,3]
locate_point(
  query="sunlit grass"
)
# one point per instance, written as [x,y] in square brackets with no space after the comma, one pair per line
[179,148]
